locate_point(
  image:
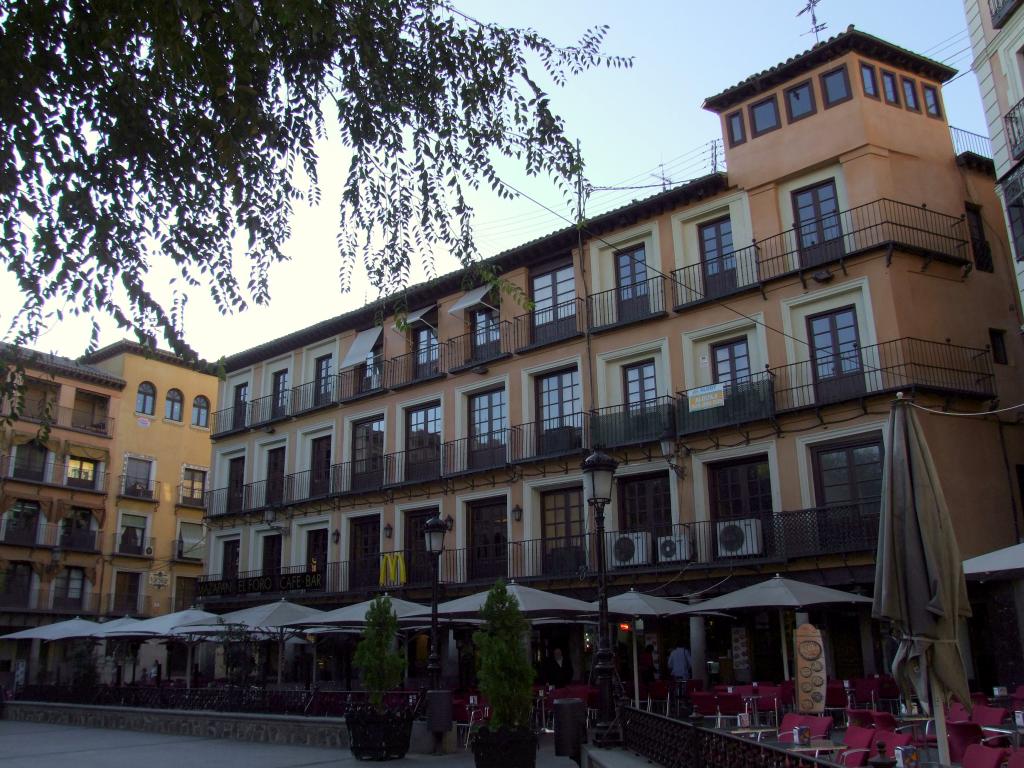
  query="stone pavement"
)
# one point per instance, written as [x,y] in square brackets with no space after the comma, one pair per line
[34,745]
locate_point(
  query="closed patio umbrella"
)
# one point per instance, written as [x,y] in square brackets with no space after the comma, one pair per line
[780,593]
[919,577]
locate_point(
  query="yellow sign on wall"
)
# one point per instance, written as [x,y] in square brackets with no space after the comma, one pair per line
[703,398]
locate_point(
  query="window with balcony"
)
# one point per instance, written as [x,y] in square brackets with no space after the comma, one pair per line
[554,304]
[716,256]
[741,489]
[229,558]
[418,563]
[562,528]
[910,94]
[559,409]
[193,486]
[137,478]
[236,484]
[800,101]
[488,538]
[20,523]
[1015,213]
[819,231]
[132,537]
[848,489]
[835,87]
[127,593]
[368,454]
[730,361]
[190,541]
[201,411]
[279,394]
[30,462]
[764,117]
[90,412]
[239,405]
[639,383]
[737,131]
[488,422]
[271,554]
[486,333]
[81,473]
[16,585]
[145,399]
[645,504]
[890,88]
[426,351]
[274,483]
[322,367]
[422,442]
[632,299]
[40,397]
[69,589]
[835,355]
[869,79]
[184,595]
[979,243]
[320,466]
[932,103]
[76,530]
[364,551]
[173,405]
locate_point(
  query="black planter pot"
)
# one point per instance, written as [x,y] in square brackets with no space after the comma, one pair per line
[505,748]
[374,735]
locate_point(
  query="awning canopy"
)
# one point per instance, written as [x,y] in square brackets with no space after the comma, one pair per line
[361,347]
[418,315]
[469,299]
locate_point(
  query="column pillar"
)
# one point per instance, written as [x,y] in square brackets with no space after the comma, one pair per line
[698,649]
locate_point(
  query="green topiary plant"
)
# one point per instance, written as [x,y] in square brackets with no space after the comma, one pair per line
[376,656]
[506,675]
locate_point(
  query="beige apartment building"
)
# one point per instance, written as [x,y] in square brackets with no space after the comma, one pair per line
[102,514]
[735,342]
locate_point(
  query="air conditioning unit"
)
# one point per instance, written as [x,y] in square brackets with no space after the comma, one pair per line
[740,538]
[149,551]
[631,549]
[674,548]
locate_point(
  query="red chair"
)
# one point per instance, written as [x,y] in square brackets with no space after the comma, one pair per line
[866,691]
[787,693]
[1016,759]
[789,721]
[821,727]
[989,717]
[836,699]
[730,705]
[704,703]
[884,721]
[858,742]
[961,735]
[977,697]
[862,718]
[957,712]
[694,685]
[980,756]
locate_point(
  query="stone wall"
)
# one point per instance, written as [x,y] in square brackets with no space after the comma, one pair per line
[268,729]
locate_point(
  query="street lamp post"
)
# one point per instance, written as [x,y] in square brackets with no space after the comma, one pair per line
[598,474]
[433,532]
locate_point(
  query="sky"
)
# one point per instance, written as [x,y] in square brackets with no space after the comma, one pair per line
[636,126]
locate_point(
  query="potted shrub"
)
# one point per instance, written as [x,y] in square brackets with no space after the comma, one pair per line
[376,732]
[506,680]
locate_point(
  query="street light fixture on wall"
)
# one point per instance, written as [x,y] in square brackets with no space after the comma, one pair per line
[433,533]
[598,475]
[669,451]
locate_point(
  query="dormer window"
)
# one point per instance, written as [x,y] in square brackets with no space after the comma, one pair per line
[764,116]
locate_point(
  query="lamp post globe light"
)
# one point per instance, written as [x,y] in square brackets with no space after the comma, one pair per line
[433,533]
[598,475]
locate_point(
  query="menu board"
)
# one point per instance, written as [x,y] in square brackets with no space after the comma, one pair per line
[810,669]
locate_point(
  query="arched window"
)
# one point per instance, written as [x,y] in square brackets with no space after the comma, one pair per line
[173,405]
[145,400]
[200,412]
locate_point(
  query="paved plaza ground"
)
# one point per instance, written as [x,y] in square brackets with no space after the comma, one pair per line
[33,745]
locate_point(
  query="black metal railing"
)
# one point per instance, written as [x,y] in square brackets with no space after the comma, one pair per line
[80,419]
[551,438]
[361,380]
[1013,121]
[308,484]
[359,476]
[727,404]
[18,594]
[315,394]
[476,454]
[416,465]
[190,496]
[550,325]
[627,304]
[68,537]
[227,501]
[264,410]
[975,143]
[20,531]
[673,743]
[417,366]
[133,487]
[133,543]
[1001,11]
[21,596]
[816,243]
[60,473]
[479,347]
[906,363]
[231,419]
[643,422]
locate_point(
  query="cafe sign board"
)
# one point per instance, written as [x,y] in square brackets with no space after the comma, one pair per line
[705,398]
[310,581]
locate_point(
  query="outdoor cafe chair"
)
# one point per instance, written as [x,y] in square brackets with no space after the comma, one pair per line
[980,756]
[657,696]
[1016,759]
[964,733]
[730,705]
[858,742]
[789,721]
[989,717]
[821,727]
[836,698]
[891,740]
[866,691]
[862,718]
[704,703]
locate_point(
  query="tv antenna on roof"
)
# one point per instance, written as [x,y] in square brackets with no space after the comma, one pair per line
[816,28]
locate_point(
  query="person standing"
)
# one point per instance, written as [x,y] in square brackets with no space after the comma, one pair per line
[559,669]
[680,665]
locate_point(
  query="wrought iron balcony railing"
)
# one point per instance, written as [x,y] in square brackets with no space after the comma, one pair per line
[309,484]
[550,325]
[20,531]
[723,405]
[416,367]
[633,424]
[79,419]
[1013,121]
[264,410]
[901,364]
[975,143]
[68,537]
[127,604]
[132,543]
[814,244]
[561,436]
[479,347]
[132,487]
[315,394]
[231,419]
[69,474]
[191,496]
[1001,11]
[359,476]
[361,380]
[476,454]
[416,465]
[627,304]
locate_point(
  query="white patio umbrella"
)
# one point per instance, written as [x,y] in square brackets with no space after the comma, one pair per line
[780,593]
[109,626]
[355,615]
[1006,563]
[61,630]
[533,603]
[276,620]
